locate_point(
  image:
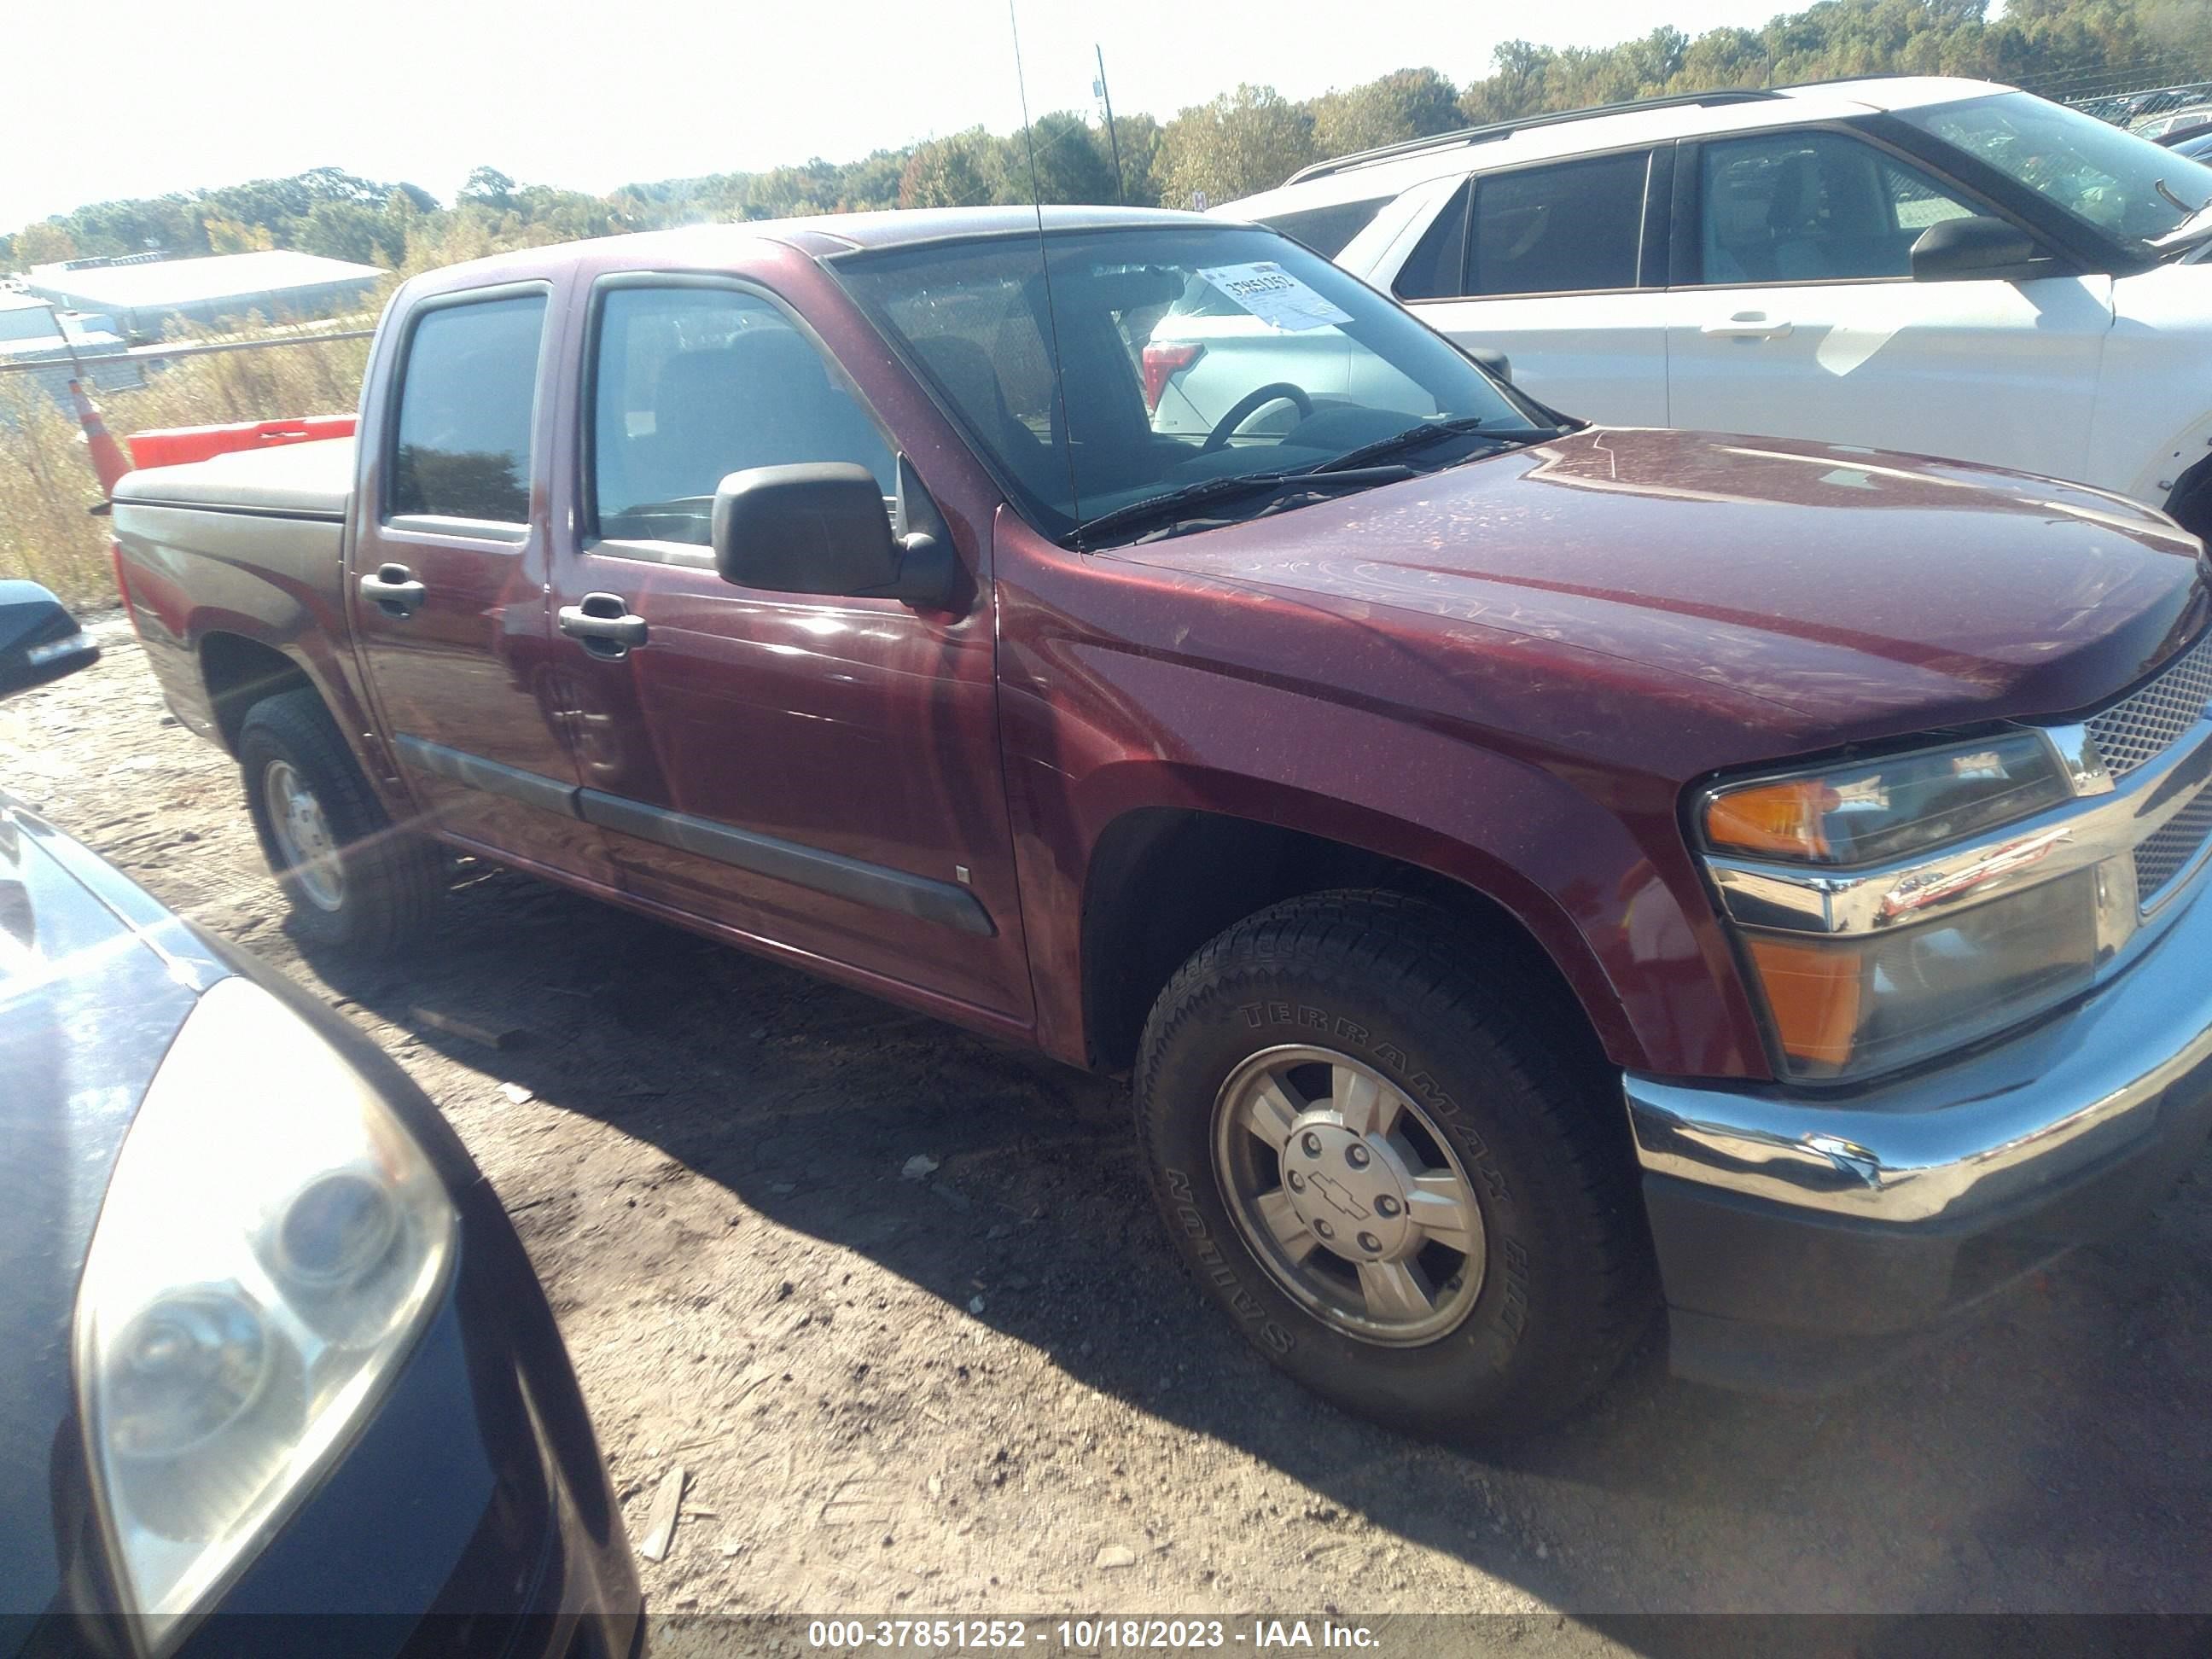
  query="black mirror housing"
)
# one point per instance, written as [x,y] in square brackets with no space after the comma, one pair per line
[1492,359]
[1972,248]
[818,527]
[39,640]
[821,528]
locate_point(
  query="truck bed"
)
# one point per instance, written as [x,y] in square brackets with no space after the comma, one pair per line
[299,480]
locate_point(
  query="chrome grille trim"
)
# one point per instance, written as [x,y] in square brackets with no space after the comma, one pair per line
[2172,851]
[2137,730]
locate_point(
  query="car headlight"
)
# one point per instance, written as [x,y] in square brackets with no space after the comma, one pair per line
[271,1241]
[1845,1004]
[1889,808]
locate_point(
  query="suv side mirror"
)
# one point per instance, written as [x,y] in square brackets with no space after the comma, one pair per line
[1493,360]
[1961,250]
[39,640]
[821,528]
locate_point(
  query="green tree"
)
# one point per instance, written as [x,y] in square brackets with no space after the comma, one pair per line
[1072,163]
[45,244]
[488,187]
[1251,139]
[961,171]
[1411,103]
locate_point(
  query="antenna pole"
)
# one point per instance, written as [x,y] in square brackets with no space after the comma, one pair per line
[1112,137]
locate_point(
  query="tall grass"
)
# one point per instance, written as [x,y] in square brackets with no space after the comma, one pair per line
[47,480]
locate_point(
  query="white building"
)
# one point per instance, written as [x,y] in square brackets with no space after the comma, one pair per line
[144,294]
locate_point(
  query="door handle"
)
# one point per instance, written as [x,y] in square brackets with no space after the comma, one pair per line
[604,622]
[1749,325]
[393,587]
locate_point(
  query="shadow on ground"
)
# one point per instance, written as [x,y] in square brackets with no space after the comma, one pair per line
[2053,1456]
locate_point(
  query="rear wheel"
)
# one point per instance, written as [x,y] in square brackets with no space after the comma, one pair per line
[354,881]
[1398,1185]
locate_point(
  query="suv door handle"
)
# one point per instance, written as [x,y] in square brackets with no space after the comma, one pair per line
[1749,325]
[394,588]
[604,622]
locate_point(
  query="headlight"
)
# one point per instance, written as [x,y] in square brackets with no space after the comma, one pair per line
[1889,808]
[1845,1004]
[271,1241]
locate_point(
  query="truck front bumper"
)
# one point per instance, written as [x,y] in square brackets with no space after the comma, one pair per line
[1805,1238]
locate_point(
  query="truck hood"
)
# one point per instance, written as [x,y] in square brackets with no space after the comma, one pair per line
[1828,593]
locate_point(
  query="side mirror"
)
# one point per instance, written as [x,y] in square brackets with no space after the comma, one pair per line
[1493,360]
[1961,250]
[821,528]
[39,640]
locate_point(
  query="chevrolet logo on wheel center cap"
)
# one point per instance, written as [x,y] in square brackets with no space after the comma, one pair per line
[1349,1190]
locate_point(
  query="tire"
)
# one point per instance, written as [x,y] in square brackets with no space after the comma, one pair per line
[1530,1311]
[355,883]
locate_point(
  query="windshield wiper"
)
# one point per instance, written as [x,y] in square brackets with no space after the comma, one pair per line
[1175,504]
[1411,438]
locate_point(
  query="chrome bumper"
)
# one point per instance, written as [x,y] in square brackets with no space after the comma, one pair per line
[2086,1086]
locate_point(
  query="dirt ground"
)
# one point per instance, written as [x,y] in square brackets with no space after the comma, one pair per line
[990,1392]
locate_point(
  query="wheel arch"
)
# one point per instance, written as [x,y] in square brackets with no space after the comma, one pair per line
[1163,879]
[239,671]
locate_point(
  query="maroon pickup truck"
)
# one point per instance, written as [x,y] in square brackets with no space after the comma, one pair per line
[1533,875]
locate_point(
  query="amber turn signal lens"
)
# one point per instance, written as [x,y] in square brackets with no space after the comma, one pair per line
[1782,818]
[1813,995]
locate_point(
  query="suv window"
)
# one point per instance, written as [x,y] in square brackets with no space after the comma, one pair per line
[1557,230]
[1437,268]
[1326,229]
[1813,206]
[466,394]
[692,384]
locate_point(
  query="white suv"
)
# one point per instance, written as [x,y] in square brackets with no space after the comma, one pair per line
[1938,265]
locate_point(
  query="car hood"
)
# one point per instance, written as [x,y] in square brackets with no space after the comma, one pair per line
[95,981]
[1820,593]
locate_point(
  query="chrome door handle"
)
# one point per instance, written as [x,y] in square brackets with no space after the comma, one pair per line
[393,587]
[1749,325]
[604,622]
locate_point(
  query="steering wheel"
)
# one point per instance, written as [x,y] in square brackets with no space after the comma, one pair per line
[1250,404]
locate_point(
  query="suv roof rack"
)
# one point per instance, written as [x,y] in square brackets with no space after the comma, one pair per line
[1505,129]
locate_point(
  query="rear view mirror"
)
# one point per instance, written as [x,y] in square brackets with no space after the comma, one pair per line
[39,640]
[1961,250]
[821,528]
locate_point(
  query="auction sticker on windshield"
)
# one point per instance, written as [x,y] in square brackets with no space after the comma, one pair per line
[1274,296]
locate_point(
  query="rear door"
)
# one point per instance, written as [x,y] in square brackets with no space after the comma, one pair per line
[448,597]
[818,775]
[1795,313]
[1549,264]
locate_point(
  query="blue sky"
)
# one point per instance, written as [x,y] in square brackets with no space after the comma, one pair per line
[162,96]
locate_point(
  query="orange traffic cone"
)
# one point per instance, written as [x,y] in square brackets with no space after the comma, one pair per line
[107,457]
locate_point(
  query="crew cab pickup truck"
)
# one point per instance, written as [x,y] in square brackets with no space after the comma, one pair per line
[1532,874]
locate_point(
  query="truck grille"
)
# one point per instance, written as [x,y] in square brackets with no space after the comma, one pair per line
[2137,731]
[2173,849]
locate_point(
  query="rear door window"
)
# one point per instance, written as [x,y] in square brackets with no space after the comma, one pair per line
[467,394]
[1571,228]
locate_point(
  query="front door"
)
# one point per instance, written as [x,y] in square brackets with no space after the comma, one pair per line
[1797,315]
[448,582]
[820,775]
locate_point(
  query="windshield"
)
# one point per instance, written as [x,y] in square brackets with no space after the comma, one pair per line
[2092,170]
[1189,354]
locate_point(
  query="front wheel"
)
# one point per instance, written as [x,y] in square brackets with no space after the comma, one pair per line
[1399,1190]
[355,881]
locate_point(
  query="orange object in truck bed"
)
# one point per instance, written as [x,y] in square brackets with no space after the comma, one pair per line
[174,445]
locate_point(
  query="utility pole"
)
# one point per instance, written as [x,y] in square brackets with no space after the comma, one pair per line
[1113,137]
